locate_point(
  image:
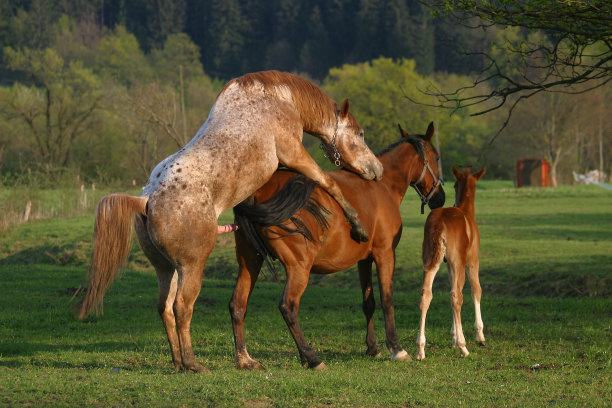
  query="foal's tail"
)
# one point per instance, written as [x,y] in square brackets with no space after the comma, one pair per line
[283,206]
[112,242]
[434,245]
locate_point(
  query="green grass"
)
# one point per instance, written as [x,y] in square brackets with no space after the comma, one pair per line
[546,257]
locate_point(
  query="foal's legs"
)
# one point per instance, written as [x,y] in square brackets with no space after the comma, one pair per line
[365,278]
[249,263]
[297,280]
[456,270]
[473,268]
[426,295]
[385,262]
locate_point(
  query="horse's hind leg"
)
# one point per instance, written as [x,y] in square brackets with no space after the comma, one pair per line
[188,289]
[297,280]
[249,263]
[167,283]
[456,271]
[473,268]
[369,304]
[429,273]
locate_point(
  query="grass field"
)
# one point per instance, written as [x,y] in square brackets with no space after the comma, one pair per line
[546,271]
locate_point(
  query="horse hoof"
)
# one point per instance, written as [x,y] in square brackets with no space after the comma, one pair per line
[481,343]
[320,366]
[401,355]
[420,355]
[197,368]
[464,351]
[249,365]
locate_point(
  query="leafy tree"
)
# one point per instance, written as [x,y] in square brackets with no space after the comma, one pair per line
[59,111]
[119,58]
[179,57]
[376,91]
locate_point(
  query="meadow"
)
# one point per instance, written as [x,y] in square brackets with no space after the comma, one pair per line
[546,272]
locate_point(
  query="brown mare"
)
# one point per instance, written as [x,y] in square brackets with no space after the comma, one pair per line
[451,235]
[256,123]
[316,239]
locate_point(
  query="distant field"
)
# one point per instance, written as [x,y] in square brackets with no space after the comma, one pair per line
[546,271]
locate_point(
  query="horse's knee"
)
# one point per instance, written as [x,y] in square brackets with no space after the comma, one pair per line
[287,309]
[236,312]
[368,307]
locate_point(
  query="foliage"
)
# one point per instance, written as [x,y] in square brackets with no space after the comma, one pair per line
[121,85]
[383,93]
[566,48]
[120,59]
[58,111]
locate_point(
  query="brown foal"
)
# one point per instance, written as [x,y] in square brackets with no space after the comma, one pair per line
[451,235]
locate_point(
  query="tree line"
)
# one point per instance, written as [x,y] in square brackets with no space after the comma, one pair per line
[100,91]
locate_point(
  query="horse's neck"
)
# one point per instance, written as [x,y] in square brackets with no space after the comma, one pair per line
[399,167]
[467,204]
[317,118]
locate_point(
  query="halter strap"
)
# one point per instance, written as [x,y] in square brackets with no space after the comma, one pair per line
[425,198]
[333,145]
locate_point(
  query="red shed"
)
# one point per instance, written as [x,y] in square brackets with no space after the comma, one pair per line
[532,172]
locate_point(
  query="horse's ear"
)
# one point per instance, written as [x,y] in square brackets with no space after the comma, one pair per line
[480,173]
[345,108]
[457,173]
[430,132]
[402,131]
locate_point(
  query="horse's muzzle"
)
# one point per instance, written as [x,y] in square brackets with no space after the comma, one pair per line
[438,199]
[373,172]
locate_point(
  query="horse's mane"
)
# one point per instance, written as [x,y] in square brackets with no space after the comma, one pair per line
[295,195]
[416,141]
[308,99]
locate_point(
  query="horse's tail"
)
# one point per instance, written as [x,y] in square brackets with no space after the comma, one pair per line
[283,206]
[112,242]
[434,243]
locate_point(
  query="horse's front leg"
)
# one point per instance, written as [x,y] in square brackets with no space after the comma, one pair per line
[369,304]
[295,156]
[385,263]
[297,280]
[249,263]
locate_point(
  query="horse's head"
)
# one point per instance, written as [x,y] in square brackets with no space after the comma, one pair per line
[348,148]
[466,182]
[428,183]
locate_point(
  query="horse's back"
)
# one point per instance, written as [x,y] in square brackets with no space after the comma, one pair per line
[451,226]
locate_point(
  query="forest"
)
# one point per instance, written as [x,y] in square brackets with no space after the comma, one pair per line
[99,91]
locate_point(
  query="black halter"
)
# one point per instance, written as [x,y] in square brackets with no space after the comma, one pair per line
[425,198]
